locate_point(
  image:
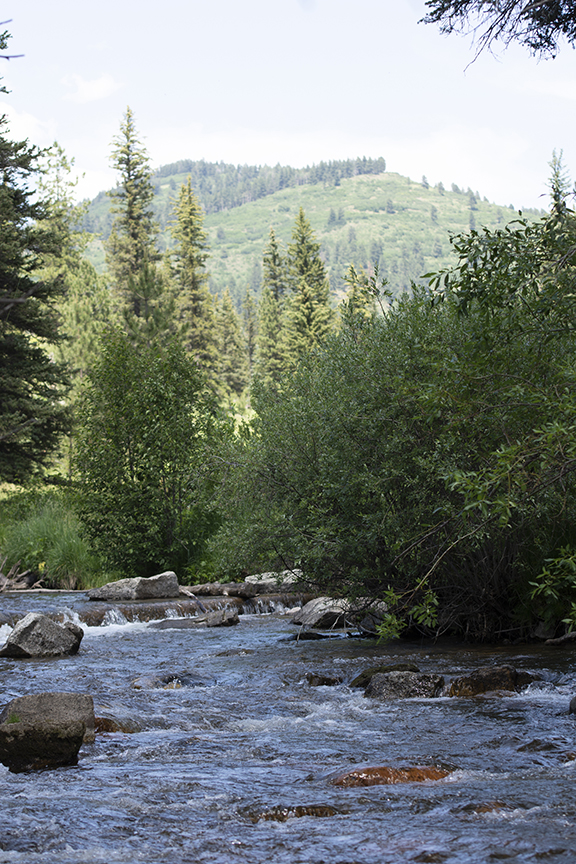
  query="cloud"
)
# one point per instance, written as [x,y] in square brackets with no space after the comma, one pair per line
[89,91]
[22,125]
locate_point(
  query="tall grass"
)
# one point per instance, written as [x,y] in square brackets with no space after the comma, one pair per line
[42,532]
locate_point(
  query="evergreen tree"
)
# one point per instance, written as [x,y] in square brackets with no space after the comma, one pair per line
[132,240]
[274,265]
[309,315]
[271,359]
[250,322]
[32,385]
[194,302]
[233,372]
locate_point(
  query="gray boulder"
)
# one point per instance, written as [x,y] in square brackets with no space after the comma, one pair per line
[140,588]
[364,678]
[404,685]
[36,635]
[323,613]
[45,730]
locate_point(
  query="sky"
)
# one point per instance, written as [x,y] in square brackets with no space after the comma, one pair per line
[291,82]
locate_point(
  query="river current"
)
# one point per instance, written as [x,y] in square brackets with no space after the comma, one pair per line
[216,772]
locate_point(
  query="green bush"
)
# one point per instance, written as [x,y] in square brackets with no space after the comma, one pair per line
[426,450]
[147,423]
[42,532]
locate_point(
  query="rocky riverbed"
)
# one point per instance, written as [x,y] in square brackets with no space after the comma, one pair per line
[244,744]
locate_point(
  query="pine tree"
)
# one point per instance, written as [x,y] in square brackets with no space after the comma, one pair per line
[194,302]
[233,372]
[274,266]
[271,360]
[32,385]
[250,322]
[132,240]
[309,316]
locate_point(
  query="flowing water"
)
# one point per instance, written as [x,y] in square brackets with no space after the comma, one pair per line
[216,771]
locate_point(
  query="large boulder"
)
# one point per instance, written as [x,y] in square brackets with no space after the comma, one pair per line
[36,635]
[140,588]
[45,730]
[324,613]
[404,685]
[488,679]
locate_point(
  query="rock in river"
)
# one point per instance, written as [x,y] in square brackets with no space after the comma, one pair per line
[385,775]
[45,730]
[36,635]
[139,588]
[488,679]
[404,685]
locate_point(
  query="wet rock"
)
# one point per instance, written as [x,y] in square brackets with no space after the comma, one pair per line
[178,623]
[208,589]
[364,678]
[282,814]
[45,730]
[572,706]
[305,636]
[324,613]
[171,681]
[385,775]
[36,635]
[316,680]
[116,724]
[222,618]
[490,679]
[140,588]
[404,685]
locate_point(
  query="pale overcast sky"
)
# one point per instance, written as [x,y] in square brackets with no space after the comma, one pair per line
[289,81]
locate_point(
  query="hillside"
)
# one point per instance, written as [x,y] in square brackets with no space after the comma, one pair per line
[402,224]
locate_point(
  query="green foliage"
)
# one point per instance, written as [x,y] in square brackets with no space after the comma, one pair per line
[426,455]
[132,239]
[555,588]
[33,416]
[146,422]
[238,235]
[42,532]
[194,302]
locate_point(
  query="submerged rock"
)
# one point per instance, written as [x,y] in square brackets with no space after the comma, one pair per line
[282,814]
[161,586]
[36,635]
[490,679]
[45,730]
[385,775]
[220,618]
[404,685]
[315,679]
[364,678]
[171,681]
[116,724]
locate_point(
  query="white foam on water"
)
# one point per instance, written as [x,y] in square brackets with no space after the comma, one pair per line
[5,631]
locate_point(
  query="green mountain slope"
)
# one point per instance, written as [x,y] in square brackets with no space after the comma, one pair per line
[386,218]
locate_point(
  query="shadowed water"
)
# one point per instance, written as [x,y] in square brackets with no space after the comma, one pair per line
[210,760]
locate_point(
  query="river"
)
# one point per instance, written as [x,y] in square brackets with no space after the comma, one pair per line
[216,771]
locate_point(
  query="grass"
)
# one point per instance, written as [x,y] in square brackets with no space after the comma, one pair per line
[42,532]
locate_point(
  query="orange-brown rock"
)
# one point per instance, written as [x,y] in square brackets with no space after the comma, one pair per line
[383,775]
